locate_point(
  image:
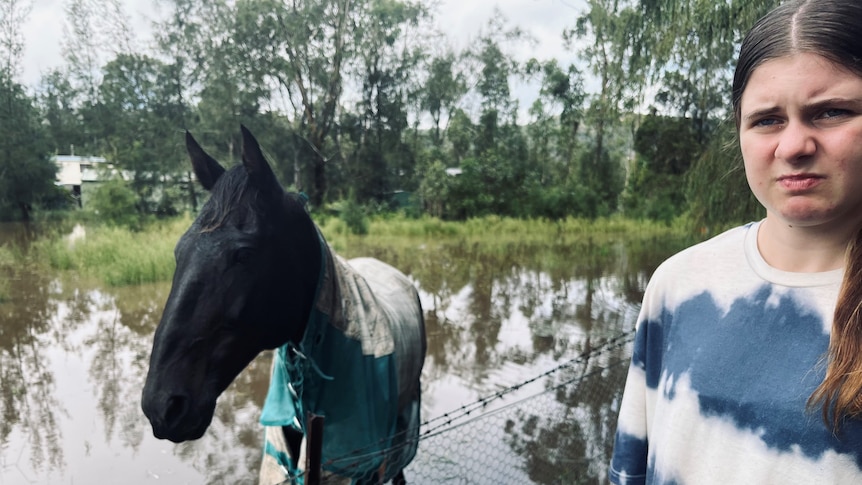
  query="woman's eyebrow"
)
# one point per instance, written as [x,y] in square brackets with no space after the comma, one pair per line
[824,103]
[759,113]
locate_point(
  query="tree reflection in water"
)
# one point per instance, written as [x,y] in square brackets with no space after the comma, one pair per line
[73,358]
[26,382]
[72,364]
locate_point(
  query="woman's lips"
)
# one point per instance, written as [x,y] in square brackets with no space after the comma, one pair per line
[799,182]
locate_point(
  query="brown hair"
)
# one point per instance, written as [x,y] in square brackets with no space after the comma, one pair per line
[827,28]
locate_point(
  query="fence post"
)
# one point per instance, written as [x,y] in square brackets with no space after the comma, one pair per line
[314,448]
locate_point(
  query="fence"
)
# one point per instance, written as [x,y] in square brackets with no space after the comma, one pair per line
[556,428]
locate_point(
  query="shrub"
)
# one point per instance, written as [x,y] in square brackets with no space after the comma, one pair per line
[114,203]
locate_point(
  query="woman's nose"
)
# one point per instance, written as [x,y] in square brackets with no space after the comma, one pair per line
[796,142]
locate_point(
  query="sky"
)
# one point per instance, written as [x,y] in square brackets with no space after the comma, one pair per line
[461,20]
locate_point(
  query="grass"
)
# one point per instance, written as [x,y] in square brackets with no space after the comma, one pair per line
[496,233]
[7,266]
[115,255]
[118,257]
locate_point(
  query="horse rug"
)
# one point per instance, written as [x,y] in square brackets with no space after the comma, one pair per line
[357,365]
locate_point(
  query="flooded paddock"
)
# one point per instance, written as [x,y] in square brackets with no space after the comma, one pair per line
[74,354]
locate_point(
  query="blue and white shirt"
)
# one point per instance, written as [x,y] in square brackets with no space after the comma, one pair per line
[727,352]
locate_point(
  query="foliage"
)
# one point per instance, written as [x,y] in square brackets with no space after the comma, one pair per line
[117,255]
[13,14]
[666,147]
[717,190]
[26,172]
[367,98]
[354,216]
[7,266]
[495,233]
[115,203]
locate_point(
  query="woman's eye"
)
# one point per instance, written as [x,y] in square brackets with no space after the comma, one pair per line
[766,122]
[833,113]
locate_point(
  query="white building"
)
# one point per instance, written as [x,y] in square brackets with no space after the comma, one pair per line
[74,171]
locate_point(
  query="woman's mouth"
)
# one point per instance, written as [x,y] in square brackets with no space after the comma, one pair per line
[799,182]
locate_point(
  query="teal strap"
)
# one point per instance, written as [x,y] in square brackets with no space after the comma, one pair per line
[291,472]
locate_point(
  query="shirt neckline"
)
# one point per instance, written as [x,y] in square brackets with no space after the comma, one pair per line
[777,276]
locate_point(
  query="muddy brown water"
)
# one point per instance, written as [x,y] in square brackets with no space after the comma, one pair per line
[73,355]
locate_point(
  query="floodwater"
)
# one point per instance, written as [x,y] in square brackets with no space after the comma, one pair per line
[73,357]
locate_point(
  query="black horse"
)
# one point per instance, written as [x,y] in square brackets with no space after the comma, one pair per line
[253,272]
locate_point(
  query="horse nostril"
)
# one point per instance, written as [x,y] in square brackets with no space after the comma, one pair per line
[176,409]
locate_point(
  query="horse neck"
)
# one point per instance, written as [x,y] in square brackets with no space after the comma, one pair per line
[311,257]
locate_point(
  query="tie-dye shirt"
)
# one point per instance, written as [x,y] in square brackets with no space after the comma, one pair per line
[728,350]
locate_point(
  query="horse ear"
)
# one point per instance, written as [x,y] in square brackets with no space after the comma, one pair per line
[206,168]
[254,161]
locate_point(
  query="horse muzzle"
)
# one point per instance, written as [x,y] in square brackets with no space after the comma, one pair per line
[176,417]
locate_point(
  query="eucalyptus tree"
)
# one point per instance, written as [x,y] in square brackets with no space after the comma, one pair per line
[94,31]
[141,115]
[57,98]
[443,88]
[495,67]
[614,51]
[461,133]
[552,183]
[308,44]
[13,14]
[388,53]
[26,172]
[494,169]
[693,44]
[561,97]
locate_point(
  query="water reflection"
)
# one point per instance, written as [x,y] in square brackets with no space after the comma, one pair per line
[28,398]
[73,358]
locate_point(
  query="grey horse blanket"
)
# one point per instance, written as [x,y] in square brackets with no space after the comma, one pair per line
[358,365]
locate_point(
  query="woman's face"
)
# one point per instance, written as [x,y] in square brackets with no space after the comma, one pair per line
[801,137]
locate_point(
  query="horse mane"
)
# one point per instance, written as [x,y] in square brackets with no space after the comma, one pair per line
[232,198]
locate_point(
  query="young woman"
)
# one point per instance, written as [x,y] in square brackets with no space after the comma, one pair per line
[747,366]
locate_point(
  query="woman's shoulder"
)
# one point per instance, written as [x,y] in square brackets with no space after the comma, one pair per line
[713,253]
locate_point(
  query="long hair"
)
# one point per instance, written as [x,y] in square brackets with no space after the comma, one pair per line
[827,28]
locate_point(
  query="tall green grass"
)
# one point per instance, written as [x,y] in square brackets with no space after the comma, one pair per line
[117,256]
[7,264]
[499,232]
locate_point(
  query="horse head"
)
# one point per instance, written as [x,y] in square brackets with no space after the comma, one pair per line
[246,273]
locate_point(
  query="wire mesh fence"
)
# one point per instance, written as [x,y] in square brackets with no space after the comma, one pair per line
[556,428]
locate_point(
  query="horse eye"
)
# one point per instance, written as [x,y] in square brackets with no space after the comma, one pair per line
[243,255]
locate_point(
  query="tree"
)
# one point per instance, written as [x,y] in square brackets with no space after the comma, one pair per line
[13,14]
[616,58]
[557,117]
[57,100]
[26,172]
[443,88]
[693,44]
[666,148]
[142,115]
[316,38]
[495,67]
[384,60]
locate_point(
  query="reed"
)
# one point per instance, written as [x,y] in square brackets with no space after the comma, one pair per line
[116,255]
[7,269]
[495,234]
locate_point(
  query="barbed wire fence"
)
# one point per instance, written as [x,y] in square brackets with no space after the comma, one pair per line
[555,428]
